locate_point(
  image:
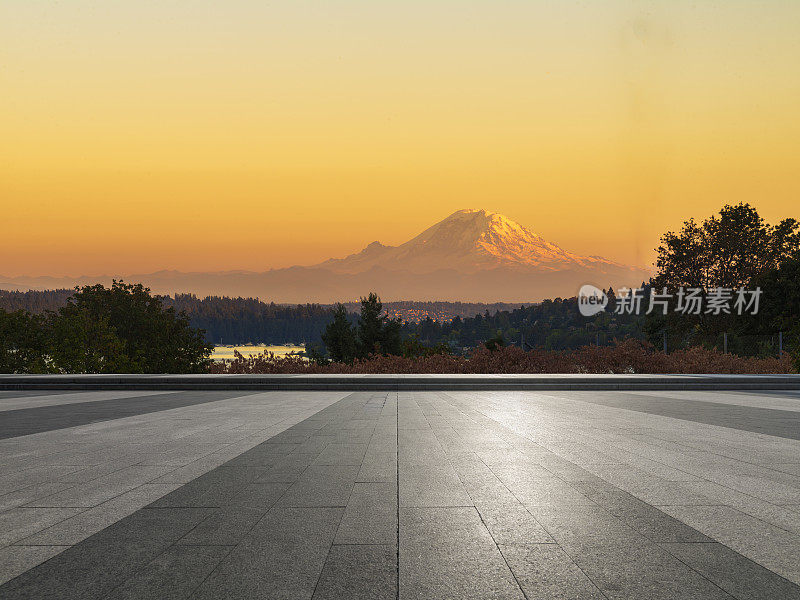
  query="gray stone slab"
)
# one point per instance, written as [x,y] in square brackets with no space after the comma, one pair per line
[737,575]
[448,553]
[322,486]
[646,519]
[546,571]
[54,398]
[19,523]
[342,454]
[28,421]
[282,557]
[558,484]
[646,571]
[770,546]
[288,469]
[263,455]
[574,526]
[260,496]
[77,528]
[15,560]
[781,423]
[506,518]
[432,484]
[224,527]
[379,467]
[97,565]
[103,488]
[175,574]
[216,488]
[30,494]
[370,516]
[356,572]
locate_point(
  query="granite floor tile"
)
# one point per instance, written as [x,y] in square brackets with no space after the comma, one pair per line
[282,557]
[448,553]
[546,571]
[359,572]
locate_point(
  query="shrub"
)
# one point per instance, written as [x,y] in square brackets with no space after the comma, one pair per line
[629,356]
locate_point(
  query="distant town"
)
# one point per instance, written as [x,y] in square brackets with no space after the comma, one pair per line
[440,312]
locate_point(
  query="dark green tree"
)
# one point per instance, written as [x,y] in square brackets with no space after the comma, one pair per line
[612,300]
[779,306]
[728,250]
[84,343]
[376,332]
[339,337]
[124,327]
[23,343]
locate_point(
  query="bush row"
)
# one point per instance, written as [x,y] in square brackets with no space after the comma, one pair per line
[628,356]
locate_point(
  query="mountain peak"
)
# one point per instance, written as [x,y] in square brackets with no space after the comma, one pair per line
[468,240]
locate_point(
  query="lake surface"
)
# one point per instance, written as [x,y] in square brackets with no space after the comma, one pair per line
[226,352]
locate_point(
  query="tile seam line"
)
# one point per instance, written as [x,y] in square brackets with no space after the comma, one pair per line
[496,545]
[687,420]
[655,543]
[231,547]
[118,418]
[338,526]
[397,491]
[665,546]
[782,528]
[149,482]
[446,398]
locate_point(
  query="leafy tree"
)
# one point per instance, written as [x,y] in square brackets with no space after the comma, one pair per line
[339,337]
[124,327]
[84,343]
[376,332]
[727,250]
[779,307]
[23,343]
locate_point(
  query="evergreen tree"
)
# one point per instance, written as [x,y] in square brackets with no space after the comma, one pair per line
[612,300]
[377,333]
[339,337]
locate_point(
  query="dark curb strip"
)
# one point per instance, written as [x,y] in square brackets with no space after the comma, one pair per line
[401,382]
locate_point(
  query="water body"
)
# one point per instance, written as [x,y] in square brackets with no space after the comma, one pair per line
[226,352]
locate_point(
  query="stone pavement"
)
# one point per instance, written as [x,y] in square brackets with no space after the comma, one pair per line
[424,495]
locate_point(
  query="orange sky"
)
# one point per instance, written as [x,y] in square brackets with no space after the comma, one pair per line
[138,136]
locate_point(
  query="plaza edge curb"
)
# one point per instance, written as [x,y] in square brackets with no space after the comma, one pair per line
[402,382]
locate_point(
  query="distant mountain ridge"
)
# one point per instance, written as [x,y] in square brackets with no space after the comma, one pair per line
[468,241]
[470,256]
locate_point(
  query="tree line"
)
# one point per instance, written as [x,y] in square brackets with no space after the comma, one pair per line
[126,329]
[121,329]
[224,320]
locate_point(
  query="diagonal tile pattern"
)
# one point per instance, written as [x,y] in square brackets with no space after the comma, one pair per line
[409,495]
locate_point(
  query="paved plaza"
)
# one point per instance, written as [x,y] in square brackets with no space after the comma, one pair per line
[487,494]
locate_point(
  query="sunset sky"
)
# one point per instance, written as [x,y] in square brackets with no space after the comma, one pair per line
[242,134]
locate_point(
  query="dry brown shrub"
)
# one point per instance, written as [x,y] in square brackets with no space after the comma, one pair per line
[628,356]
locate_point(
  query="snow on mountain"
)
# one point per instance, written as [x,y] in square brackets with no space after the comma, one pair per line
[469,241]
[471,256]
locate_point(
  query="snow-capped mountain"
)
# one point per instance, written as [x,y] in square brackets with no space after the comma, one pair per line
[471,256]
[468,241]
